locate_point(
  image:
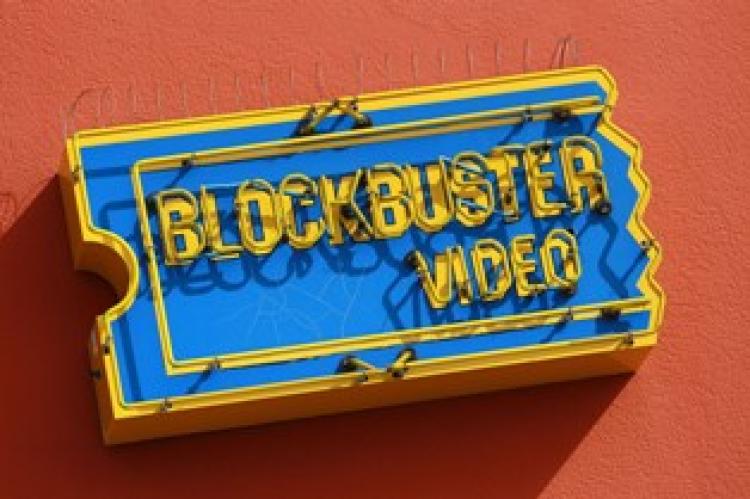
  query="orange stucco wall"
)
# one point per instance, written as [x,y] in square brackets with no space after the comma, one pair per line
[678,428]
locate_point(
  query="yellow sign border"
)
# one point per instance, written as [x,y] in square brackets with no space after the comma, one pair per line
[106,253]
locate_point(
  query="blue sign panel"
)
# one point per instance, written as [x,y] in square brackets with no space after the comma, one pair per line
[366,251]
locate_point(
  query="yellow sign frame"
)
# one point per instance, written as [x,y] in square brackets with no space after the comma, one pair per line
[104,252]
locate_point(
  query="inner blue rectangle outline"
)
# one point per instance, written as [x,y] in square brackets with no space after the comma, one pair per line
[594,287]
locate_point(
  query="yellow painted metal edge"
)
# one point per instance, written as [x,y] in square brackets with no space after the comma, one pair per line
[636,224]
[106,253]
[244,407]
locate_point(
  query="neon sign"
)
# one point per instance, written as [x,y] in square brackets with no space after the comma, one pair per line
[374,250]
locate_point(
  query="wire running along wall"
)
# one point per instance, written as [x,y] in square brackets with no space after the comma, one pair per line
[267,85]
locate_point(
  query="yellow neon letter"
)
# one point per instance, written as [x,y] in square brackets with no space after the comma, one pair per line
[262,193]
[502,161]
[335,200]
[186,226]
[564,242]
[584,151]
[396,202]
[490,249]
[476,200]
[302,187]
[521,246]
[537,155]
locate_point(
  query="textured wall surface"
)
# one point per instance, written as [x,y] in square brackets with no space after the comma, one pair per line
[678,428]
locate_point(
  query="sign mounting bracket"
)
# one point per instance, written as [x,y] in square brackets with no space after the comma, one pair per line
[315,114]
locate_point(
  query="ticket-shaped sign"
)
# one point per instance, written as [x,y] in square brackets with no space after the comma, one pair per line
[397,246]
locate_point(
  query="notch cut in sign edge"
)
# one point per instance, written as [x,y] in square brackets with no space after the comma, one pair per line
[105,253]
